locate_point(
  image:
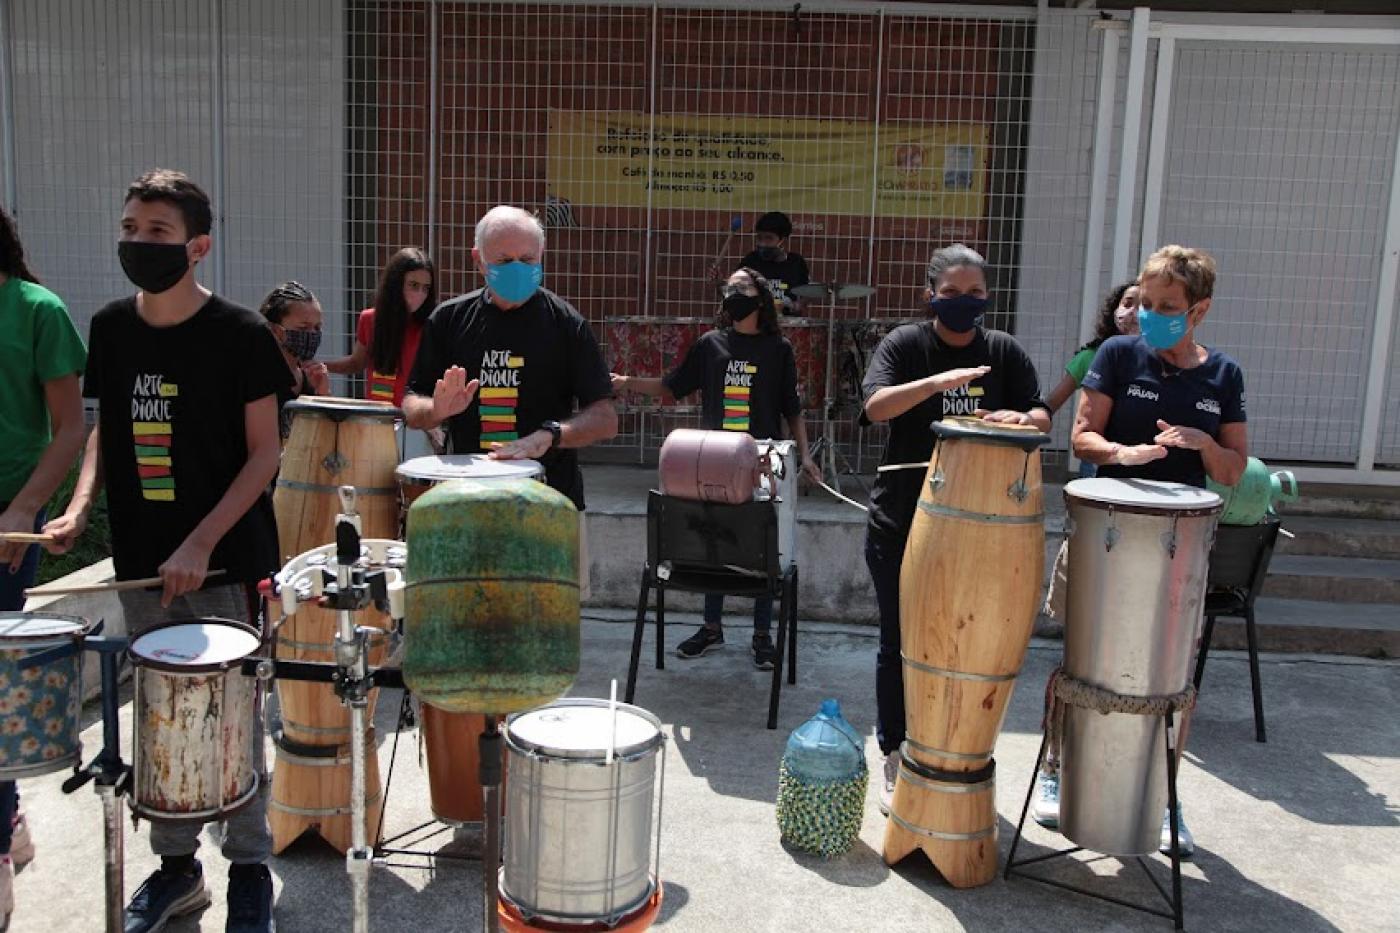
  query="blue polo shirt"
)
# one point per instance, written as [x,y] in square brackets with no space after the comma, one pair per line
[1144,387]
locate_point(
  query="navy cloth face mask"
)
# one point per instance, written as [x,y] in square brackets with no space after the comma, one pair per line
[960,314]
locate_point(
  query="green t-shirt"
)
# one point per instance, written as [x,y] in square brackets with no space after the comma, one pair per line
[1078,364]
[38,343]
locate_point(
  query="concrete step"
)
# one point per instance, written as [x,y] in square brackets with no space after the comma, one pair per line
[1344,502]
[1334,579]
[1298,625]
[1341,537]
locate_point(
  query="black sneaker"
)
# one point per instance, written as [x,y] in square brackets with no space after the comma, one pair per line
[166,895]
[249,900]
[764,654]
[702,641]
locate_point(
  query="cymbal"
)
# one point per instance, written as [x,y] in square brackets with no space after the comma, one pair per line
[842,291]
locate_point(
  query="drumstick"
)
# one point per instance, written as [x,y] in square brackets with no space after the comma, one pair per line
[890,467]
[116,586]
[24,537]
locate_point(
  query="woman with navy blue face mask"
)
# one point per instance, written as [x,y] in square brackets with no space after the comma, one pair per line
[919,374]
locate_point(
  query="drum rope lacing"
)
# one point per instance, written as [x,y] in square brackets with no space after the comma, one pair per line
[1066,691]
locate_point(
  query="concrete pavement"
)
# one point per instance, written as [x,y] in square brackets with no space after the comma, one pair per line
[1299,834]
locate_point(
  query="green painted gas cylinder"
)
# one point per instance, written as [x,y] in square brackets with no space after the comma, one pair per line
[1253,498]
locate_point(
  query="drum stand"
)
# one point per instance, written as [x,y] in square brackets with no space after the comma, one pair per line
[490,746]
[1174,901]
[828,457]
[112,779]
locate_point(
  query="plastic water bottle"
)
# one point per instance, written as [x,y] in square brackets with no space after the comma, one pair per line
[821,784]
[825,748]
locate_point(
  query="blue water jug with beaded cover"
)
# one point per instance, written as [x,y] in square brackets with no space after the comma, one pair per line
[821,784]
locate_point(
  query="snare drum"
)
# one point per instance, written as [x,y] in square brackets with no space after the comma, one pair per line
[41,687]
[578,837]
[194,718]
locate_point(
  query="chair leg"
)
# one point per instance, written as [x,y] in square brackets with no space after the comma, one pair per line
[792,632]
[660,627]
[1203,651]
[1254,684]
[637,633]
[777,687]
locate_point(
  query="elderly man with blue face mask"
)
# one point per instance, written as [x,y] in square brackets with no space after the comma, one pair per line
[511,368]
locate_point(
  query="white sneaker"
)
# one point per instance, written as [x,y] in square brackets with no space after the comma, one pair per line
[886,797]
[1184,840]
[21,843]
[1046,808]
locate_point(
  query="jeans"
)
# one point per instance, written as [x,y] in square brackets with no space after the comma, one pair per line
[247,839]
[762,612]
[883,556]
[12,587]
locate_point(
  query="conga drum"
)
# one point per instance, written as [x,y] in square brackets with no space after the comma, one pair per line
[1139,555]
[969,588]
[450,739]
[333,443]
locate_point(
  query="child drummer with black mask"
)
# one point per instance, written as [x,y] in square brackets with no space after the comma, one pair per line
[784,269]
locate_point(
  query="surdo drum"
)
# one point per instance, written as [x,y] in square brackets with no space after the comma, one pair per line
[41,687]
[579,814]
[193,717]
[1139,554]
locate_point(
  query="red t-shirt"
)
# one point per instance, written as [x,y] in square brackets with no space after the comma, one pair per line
[380,387]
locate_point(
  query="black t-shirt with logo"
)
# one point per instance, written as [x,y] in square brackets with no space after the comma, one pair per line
[747,382]
[913,351]
[173,437]
[782,276]
[1144,387]
[534,362]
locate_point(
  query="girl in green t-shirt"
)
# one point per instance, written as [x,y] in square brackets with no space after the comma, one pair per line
[1117,315]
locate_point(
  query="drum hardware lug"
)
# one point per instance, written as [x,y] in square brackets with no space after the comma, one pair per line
[1018,490]
[1169,542]
[334,462]
[663,570]
[1110,538]
[266,669]
[1068,526]
[937,480]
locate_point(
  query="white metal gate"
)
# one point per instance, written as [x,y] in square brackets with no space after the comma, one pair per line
[1277,149]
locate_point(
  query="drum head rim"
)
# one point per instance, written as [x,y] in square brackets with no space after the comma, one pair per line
[339,409]
[84,627]
[1025,437]
[527,746]
[1082,496]
[156,664]
[529,469]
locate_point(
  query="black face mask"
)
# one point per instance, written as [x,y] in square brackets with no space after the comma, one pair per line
[771,253]
[739,307]
[153,267]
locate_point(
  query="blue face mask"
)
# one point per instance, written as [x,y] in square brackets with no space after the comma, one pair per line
[514,281]
[960,314]
[1163,331]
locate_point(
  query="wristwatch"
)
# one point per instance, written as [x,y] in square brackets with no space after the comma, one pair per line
[555,430]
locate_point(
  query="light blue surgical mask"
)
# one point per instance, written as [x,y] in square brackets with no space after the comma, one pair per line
[514,281]
[1163,331]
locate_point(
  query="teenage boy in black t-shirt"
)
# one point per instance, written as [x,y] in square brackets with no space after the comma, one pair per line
[771,259]
[922,373]
[747,378]
[505,365]
[187,446]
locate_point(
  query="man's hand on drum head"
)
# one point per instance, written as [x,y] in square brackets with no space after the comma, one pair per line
[453,393]
[530,447]
[183,572]
[1003,416]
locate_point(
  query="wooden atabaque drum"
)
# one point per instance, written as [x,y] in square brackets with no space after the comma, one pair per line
[968,594]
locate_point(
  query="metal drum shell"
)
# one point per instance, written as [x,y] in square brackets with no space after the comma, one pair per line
[492,621]
[179,712]
[1133,619]
[50,738]
[578,839]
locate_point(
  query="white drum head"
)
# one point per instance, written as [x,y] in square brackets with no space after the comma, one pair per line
[1143,494]
[444,467]
[581,729]
[33,626]
[195,645]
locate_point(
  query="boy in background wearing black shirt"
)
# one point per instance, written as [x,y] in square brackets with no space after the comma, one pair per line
[187,445]
[747,377]
[922,373]
[771,259]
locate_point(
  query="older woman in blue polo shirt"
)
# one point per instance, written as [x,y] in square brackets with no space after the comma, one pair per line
[1162,406]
